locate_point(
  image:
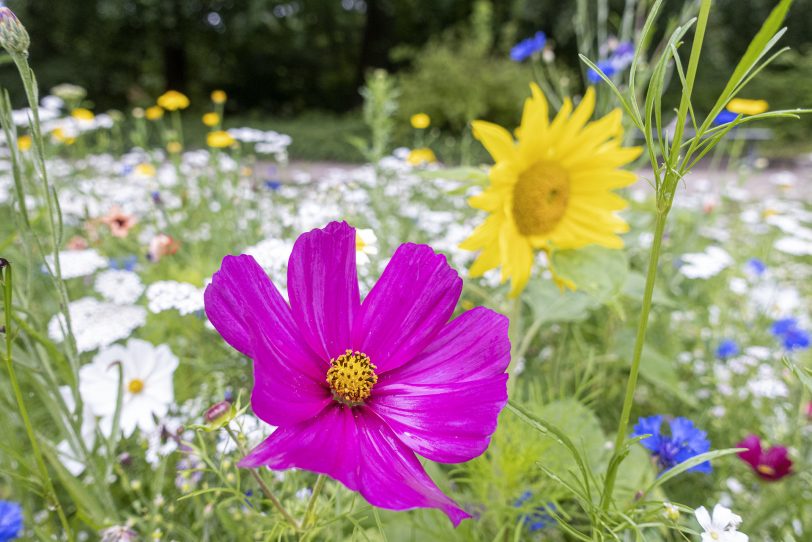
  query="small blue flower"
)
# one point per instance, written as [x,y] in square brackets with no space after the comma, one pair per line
[724,117]
[684,442]
[727,349]
[756,267]
[606,67]
[127,263]
[528,47]
[539,518]
[791,336]
[11,520]
[273,184]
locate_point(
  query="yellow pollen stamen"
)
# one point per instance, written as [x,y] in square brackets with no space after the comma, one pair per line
[766,470]
[135,386]
[540,198]
[359,243]
[351,377]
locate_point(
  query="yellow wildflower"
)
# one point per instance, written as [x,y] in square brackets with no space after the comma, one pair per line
[211,119]
[219,139]
[418,157]
[742,106]
[420,121]
[173,100]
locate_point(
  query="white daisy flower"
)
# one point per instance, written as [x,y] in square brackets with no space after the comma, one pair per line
[721,527]
[365,245]
[70,456]
[97,323]
[119,286]
[704,265]
[78,263]
[148,390]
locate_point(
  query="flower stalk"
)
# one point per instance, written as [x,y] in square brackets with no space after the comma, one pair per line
[50,492]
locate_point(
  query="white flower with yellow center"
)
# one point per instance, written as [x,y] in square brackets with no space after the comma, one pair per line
[721,527]
[365,245]
[147,387]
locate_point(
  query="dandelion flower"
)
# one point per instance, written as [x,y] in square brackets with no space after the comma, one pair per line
[743,106]
[419,157]
[211,119]
[219,96]
[154,113]
[24,143]
[147,373]
[357,388]
[550,189]
[173,100]
[220,139]
[420,121]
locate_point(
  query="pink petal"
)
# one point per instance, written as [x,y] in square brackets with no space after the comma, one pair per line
[752,455]
[327,444]
[472,346]
[408,306]
[251,315]
[355,447]
[323,288]
[448,423]
[285,391]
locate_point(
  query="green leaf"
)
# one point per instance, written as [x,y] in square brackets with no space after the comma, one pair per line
[550,304]
[689,463]
[597,271]
[803,374]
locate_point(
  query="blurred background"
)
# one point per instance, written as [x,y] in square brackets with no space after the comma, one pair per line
[297,66]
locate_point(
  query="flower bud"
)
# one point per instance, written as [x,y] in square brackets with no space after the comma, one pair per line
[3,263]
[119,534]
[13,36]
[219,414]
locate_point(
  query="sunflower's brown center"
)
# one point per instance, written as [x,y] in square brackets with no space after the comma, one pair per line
[766,470]
[135,386]
[351,377]
[540,198]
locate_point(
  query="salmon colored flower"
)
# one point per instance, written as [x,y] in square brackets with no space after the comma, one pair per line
[119,222]
[357,388]
[162,245]
[772,464]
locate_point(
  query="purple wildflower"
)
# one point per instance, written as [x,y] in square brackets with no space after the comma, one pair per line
[357,388]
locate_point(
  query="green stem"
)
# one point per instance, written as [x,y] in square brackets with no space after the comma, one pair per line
[642,326]
[18,395]
[262,485]
[514,331]
[311,505]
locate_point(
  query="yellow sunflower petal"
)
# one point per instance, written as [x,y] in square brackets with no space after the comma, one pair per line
[495,139]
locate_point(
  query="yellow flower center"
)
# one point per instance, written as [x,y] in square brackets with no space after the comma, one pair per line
[359,243]
[766,470]
[351,377]
[135,386]
[540,198]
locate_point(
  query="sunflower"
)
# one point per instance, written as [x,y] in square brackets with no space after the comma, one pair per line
[550,189]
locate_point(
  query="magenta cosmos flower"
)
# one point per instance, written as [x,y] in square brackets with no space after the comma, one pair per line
[357,388]
[772,464]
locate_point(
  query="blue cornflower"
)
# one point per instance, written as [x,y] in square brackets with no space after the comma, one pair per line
[606,67]
[273,184]
[528,47]
[724,117]
[539,518]
[792,336]
[727,349]
[11,520]
[756,267]
[127,263]
[684,442]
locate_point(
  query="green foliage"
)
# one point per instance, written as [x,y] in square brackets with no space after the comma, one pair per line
[456,78]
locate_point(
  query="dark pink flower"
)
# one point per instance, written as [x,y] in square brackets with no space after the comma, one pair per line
[356,389]
[772,464]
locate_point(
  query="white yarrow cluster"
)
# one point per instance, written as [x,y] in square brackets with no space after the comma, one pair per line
[166,295]
[97,323]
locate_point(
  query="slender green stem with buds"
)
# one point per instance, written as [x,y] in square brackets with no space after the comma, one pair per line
[50,492]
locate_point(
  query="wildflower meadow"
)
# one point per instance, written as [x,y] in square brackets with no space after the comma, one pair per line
[581,313]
